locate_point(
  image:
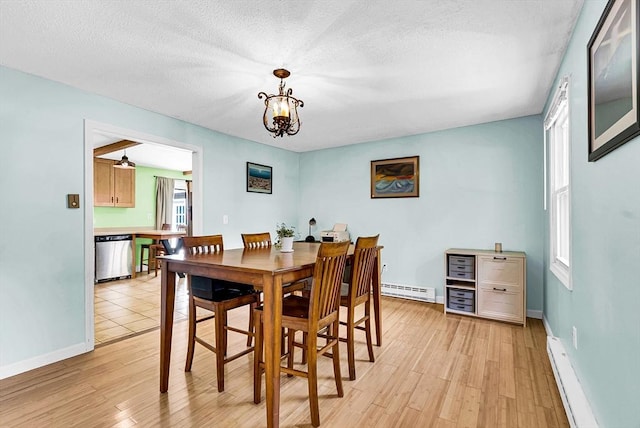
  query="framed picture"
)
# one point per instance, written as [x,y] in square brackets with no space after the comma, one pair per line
[614,115]
[395,178]
[258,178]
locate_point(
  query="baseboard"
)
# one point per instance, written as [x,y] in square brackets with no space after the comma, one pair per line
[547,327]
[43,360]
[575,403]
[531,313]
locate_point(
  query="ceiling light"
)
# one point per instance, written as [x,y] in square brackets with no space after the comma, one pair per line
[281,111]
[124,162]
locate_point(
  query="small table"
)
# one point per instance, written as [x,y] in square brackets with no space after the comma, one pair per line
[266,270]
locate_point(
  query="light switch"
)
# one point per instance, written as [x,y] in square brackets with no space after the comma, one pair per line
[73,200]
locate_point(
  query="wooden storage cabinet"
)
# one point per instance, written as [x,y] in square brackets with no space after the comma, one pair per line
[486,284]
[113,187]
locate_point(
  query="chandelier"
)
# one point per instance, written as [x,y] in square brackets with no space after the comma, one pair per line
[281,111]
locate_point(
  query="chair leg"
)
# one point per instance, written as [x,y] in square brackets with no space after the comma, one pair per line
[350,343]
[251,323]
[304,349]
[192,335]
[290,336]
[257,357]
[152,260]
[335,353]
[367,327]
[220,322]
[312,378]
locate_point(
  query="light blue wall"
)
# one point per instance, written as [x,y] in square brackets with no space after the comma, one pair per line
[42,304]
[605,242]
[478,185]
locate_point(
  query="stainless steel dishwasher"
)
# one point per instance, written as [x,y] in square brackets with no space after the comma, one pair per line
[113,257]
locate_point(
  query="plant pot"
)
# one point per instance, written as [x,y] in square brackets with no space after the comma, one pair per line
[286,244]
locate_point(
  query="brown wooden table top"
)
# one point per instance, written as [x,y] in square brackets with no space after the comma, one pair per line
[258,260]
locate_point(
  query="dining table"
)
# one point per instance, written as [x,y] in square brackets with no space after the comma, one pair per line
[266,270]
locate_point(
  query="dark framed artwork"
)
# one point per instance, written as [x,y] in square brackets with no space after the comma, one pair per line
[395,178]
[613,96]
[258,178]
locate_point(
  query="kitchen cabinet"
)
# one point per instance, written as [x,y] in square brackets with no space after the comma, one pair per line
[113,187]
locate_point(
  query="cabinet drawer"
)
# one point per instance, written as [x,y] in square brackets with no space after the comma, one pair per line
[464,275]
[461,294]
[460,301]
[500,304]
[501,270]
[461,260]
[463,308]
[460,268]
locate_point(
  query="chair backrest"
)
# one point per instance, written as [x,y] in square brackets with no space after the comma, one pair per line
[327,279]
[209,244]
[364,256]
[166,226]
[256,240]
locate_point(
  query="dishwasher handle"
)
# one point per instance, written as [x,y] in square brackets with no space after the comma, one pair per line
[109,238]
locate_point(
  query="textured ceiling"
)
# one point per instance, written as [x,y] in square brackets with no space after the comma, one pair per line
[366,70]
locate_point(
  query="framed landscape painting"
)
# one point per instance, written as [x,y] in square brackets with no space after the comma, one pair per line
[614,111]
[395,178]
[258,178]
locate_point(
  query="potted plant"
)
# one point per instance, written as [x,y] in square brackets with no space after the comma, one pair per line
[285,236]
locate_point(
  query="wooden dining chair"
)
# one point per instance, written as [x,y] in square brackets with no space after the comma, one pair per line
[262,240]
[219,297]
[310,315]
[357,291]
[256,240]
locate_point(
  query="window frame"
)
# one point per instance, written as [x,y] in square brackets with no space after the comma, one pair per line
[557,129]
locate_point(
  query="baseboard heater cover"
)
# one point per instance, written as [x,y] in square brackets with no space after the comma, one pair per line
[575,402]
[423,294]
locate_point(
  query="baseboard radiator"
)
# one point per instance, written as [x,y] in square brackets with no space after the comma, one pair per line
[423,294]
[575,403]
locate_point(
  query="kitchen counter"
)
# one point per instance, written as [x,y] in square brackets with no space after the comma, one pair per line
[138,232]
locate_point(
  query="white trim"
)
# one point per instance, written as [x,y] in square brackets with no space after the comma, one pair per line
[561,96]
[547,327]
[43,360]
[556,113]
[532,313]
[576,404]
[90,128]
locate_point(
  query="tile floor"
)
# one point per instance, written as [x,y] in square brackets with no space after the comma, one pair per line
[129,307]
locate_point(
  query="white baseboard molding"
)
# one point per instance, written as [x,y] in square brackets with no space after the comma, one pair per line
[576,405]
[531,313]
[547,327]
[43,360]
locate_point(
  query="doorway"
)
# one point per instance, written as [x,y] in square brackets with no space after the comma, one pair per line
[145,288]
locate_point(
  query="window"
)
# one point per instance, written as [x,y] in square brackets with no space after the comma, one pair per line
[557,135]
[179,214]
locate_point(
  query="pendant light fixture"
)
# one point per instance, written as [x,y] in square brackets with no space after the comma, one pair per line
[124,163]
[281,111]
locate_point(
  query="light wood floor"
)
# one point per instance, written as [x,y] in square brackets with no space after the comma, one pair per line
[433,370]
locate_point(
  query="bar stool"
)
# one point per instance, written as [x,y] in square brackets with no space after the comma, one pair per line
[150,256]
